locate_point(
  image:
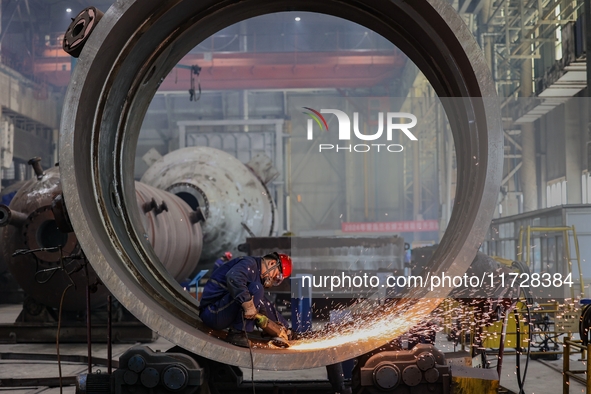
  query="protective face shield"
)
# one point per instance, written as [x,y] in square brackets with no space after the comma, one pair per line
[277,279]
[268,280]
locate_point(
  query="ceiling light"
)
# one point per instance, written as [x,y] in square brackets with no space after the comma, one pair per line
[297,18]
[68,10]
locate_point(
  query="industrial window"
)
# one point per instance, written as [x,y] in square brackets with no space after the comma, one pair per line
[8,173]
[586,187]
[558,35]
[556,193]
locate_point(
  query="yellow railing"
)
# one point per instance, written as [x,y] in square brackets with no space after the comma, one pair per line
[566,237]
[567,374]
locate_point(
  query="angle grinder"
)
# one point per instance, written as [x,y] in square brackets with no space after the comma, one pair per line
[278,332]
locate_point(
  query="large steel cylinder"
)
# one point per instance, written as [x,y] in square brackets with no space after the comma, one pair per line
[172,230]
[137,43]
[29,223]
[232,198]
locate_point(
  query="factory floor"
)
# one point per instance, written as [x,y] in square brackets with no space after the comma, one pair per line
[541,378]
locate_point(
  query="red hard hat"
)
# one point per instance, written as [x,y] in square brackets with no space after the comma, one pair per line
[228,255]
[286,264]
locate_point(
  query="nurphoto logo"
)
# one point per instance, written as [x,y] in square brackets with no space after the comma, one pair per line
[402,121]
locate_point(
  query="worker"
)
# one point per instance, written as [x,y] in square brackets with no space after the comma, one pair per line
[234,294]
[222,260]
[7,198]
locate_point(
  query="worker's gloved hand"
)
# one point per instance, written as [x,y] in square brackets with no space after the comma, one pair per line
[249,309]
[261,321]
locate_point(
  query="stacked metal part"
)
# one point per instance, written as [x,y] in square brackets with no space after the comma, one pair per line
[232,196]
[44,256]
[5,196]
[172,228]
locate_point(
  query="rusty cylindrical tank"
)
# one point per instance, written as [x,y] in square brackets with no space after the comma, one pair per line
[29,225]
[171,226]
[233,199]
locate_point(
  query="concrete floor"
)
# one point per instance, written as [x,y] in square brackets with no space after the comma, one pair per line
[541,379]
[44,369]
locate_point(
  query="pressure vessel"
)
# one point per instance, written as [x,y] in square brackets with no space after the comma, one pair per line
[7,192]
[44,257]
[232,196]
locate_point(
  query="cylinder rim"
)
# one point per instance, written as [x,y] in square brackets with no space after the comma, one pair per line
[140,42]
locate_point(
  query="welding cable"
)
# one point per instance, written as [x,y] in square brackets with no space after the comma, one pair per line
[520,378]
[585,324]
[502,340]
[528,342]
[57,336]
[524,269]
[529,300]
[518,350]
[251,356]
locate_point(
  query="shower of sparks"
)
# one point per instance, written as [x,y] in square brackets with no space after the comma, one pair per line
[374,326]
[377,326]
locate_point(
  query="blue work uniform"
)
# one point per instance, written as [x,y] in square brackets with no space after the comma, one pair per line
[219,262]
[6,199]
[230,285]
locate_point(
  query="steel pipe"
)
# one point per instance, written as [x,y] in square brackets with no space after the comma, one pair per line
[8,216]
[135,46]
[229,194]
